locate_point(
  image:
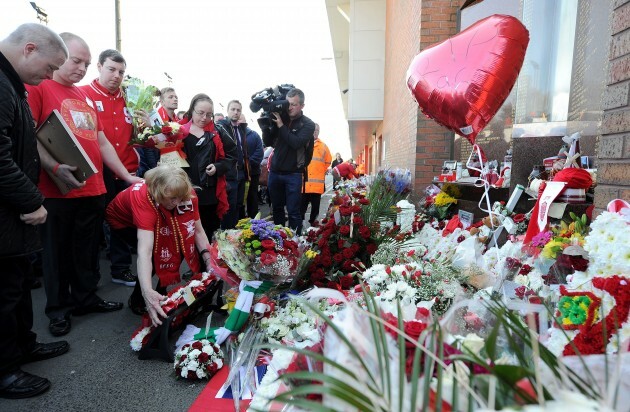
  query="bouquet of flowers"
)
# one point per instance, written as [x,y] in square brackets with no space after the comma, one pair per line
[437,202]
[430,285]
[200,359]
[293,325]
[168,138]
[259,249]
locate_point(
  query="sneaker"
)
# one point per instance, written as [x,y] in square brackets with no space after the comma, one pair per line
[126,278]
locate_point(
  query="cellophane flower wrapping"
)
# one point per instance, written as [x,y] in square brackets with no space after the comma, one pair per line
[200,359]
[159,136]
[139,96]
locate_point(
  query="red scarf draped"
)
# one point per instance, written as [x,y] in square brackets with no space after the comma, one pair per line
[172,239]
[221,190]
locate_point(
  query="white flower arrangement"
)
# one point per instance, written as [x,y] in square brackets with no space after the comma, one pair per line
[200,359]
[608,245]
[292,325]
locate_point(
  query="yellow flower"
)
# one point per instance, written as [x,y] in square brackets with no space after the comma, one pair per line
[552,248]
[247,234]
[311,254]
[443,199]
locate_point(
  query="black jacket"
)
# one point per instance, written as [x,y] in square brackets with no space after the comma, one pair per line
[19,166]
[200,153]
[224,127]
[291,144]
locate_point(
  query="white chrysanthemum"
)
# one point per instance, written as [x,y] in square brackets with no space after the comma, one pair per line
[208,349]
[219,363]
[184,372]
[200,373]
[473,343]
[557,340]
[521,280]
[192,365]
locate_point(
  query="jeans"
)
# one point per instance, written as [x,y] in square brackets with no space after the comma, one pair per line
[286,190]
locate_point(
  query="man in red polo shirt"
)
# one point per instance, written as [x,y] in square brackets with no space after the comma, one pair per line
[109,102]
[70,234]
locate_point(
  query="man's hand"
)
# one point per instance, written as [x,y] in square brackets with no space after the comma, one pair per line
[37,217]
[132,180]
[153,301]
[277,119]
[211,169]
[143,118]
[64,173]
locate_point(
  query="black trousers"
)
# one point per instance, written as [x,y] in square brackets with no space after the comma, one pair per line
[70,257]
[16,312]
[252,197]
[314,200]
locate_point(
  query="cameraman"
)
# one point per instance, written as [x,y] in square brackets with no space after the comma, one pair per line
[293,142]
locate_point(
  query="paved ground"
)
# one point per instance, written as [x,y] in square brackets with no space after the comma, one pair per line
[101,372]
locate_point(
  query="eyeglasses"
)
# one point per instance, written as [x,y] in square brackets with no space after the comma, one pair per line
[207,115]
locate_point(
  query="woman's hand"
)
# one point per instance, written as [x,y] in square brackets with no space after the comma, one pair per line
[153,301]
[211,169]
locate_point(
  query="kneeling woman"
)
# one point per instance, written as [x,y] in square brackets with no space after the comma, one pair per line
[165,212]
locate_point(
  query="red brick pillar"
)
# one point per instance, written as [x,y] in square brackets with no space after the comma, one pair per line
[613,154]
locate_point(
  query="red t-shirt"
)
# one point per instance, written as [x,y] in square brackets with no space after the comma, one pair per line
[78,111]
[132,208]
[116,121]
[345,170]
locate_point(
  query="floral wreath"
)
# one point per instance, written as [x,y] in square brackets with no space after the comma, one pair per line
[198,284]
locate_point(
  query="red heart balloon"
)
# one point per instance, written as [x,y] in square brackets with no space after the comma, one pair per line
[462,82]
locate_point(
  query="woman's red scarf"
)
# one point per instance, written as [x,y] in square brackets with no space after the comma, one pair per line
[173,237]
[221,191]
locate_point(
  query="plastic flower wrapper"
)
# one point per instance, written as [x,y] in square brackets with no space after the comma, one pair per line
[230,252]
[139,96]
[159,136]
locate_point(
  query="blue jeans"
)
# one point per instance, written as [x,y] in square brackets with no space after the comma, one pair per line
[286,190]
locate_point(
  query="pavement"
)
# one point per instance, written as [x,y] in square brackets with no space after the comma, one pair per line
[101,372]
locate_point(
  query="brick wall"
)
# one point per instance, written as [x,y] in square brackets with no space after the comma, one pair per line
[614,145]
[411,140]
[400,110]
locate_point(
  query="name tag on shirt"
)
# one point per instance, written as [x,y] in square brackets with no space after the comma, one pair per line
[99,105]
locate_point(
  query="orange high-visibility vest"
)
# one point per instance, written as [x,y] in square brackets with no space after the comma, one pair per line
[317,168]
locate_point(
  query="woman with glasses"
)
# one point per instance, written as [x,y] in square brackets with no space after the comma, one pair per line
[211,155]
[162,213]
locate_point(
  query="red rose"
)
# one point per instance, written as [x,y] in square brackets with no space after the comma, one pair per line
[318,284]
[348,253]
[338,257]
[283,234]
[268,257]
[355,247]
[356,195]
[357,220]
[518,218]
[345,211]
[348,266]
[167,129]
[364,201]
[212,368]
[183,358]
[365,232]
[333,285]
[268,244]
[197,345]
[326,261]
[341,243]
[192,375]
[413,329]
[356,209]
[344,230]
[318,275]
[346,281]
[203,357]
